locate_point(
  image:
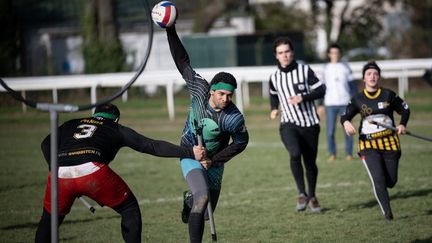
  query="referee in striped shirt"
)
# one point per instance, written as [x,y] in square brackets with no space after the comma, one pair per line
[295,87]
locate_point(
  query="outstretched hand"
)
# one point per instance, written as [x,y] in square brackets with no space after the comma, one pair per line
[199,152]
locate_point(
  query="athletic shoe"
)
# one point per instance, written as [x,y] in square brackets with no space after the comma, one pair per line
[349,157]
[314,205]
[302,202]
[332,157]
[389,216]
[187,196]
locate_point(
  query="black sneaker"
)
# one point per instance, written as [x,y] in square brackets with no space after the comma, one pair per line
[187,197]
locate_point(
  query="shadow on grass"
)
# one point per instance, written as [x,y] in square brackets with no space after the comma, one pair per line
[66,222]
[399,195]
[422,240]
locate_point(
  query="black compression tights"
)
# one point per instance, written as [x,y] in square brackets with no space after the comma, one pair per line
[131,224]
[43,232]
[302,141]
[382,167]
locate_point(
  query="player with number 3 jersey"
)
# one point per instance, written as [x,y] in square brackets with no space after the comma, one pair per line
[85,148]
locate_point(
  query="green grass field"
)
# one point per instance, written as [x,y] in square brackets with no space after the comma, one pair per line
[258,196]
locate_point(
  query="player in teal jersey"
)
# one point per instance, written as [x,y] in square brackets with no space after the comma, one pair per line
[213,116]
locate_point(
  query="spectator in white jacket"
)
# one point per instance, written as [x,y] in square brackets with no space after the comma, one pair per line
[341,85]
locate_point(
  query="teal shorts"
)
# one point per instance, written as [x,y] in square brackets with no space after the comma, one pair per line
[214,174]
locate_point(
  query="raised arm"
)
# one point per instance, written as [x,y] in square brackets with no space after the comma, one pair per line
[197,86]
[178,52]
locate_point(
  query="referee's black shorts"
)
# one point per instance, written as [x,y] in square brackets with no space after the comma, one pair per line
[300,140]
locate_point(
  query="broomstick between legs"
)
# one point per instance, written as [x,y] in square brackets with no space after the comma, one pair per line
[88,205]
[209,207]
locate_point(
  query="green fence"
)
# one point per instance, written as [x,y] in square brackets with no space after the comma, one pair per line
[241,50]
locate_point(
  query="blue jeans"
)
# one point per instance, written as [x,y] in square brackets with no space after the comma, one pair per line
[332,113]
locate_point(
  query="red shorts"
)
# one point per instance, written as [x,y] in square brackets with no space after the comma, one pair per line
[103,186]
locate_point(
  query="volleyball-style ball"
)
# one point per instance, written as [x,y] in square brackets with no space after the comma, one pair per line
[164,14]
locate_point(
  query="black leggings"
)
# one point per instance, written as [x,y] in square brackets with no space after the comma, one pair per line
[131,224]
[382,167]
[302,142]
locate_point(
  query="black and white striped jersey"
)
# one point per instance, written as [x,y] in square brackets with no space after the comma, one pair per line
[296,79]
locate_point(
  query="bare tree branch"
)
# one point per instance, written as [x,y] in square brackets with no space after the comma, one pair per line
[212,11]
[343,19]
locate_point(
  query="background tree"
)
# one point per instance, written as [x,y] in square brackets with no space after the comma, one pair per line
[279,18]
[208,11]
[410,34]
[101,46]
[352,26]
[403,27]
[362,26]
[8,40]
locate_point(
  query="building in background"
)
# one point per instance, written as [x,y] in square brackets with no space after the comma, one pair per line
[50,43]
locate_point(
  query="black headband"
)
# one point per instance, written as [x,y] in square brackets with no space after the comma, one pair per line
[371,65]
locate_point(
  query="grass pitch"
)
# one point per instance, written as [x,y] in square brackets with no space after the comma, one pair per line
[258,196]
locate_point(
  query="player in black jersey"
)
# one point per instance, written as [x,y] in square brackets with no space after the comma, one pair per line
[213,116]
[85,148]
[379,147]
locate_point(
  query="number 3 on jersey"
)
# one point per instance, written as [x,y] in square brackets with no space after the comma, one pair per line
[85,132]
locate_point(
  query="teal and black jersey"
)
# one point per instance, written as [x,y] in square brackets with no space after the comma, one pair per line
[217,127]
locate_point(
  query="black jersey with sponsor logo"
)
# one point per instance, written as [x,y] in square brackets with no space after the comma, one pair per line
[96,139]
[379,107]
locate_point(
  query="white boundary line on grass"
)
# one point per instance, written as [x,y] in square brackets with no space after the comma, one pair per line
[164,200]
[276,189]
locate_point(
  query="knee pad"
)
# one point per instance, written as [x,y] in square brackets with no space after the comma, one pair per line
[200,201]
